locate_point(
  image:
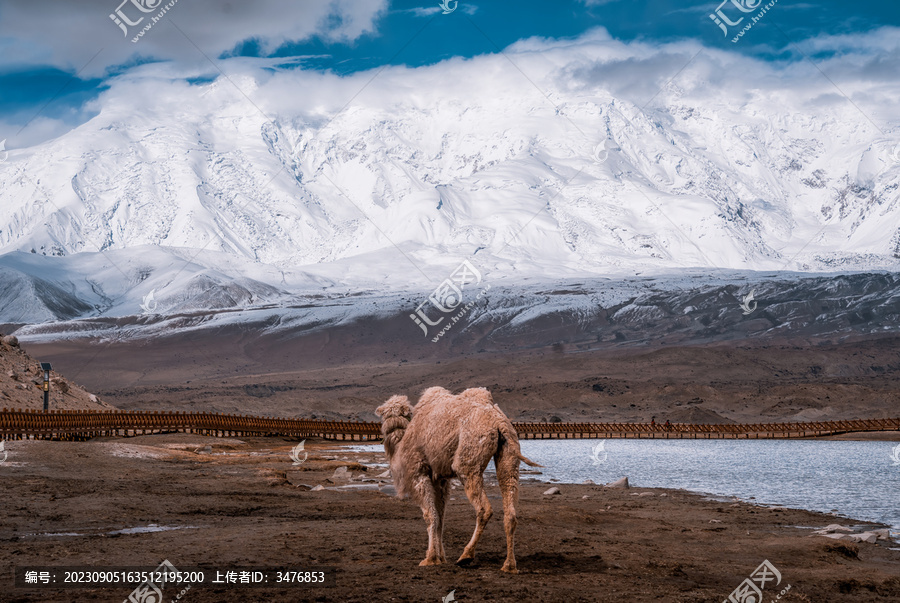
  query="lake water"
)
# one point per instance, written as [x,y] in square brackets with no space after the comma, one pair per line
[856,479]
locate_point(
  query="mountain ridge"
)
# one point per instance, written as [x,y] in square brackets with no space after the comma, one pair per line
[190,195]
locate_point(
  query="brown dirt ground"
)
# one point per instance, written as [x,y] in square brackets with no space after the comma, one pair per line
[301,377]
[242,503]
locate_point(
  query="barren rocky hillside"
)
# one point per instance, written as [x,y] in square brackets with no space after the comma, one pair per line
[21,383]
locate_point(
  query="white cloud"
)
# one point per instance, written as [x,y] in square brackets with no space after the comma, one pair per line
[39,129]
[68,34]
[595,64]
[568,71]
[428,11]
[422,11]
[564,69]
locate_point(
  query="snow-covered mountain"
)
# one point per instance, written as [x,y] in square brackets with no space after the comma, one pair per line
[202,193]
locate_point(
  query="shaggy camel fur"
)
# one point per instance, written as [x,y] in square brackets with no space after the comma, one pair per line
[449,436]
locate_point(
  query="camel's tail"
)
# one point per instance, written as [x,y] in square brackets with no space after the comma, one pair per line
[528,461]
[509,438]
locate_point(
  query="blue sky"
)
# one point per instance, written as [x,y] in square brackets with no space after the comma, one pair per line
[499,24]
[57,59]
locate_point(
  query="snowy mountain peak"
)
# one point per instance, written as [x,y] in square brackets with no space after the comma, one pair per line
[587,183]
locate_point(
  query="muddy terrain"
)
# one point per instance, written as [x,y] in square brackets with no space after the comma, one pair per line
[223,502]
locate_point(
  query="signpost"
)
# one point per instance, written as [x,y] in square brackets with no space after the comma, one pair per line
[45,366]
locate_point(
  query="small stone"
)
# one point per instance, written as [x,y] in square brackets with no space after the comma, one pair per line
[93,398]
[386,474]
[295,478]
[11,340]
[883,534]
[663,494]
[552,491]
[619,483]
[341,473]
[834,527]
[585,497]
[589,482]
[317,488]
[715,521]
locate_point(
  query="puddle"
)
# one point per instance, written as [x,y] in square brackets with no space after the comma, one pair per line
[136,530]
[383,488]
[148,529]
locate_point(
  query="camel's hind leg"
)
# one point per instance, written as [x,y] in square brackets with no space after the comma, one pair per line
[432,511]
[474,485]
[442,493]
[508,477]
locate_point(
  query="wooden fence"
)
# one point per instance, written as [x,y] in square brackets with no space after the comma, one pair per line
[702,431]
[83,424]
[80,424]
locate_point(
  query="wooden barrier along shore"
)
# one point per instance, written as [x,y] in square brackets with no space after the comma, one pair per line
[85,424]
[530,431]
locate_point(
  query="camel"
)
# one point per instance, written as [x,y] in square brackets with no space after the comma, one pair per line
[449,436]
